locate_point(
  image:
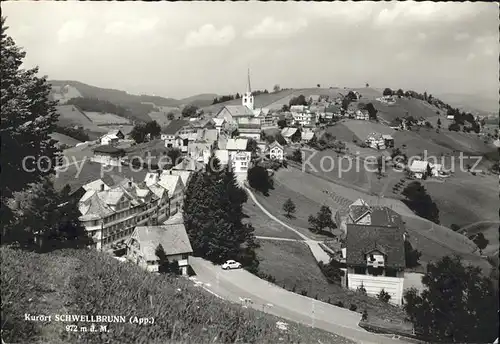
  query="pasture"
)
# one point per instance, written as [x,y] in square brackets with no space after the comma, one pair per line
[106,118]
[64,139]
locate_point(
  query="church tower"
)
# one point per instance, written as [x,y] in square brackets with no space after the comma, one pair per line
[247,99]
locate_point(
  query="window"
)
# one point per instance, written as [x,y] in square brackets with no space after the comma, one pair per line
[185,256]
[360,270]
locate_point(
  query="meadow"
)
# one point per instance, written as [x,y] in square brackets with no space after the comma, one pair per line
[106,118]
[92,283]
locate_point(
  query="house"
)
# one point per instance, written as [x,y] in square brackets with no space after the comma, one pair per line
[219,124]
[223,156]
[172,184]
[171,133]
[419,168]
[200,151]
[436,170]
[276,151]
[362,115]
[375,141]
[375,260]
[450,117]
[307,136]
[173,238]
[287,133]
[108,155]
[388,141]
[110,214]
[242,118]
[361,213]
[266,117]
[238,156]
[207,135]
[112,137]
[314,99]
[303,116]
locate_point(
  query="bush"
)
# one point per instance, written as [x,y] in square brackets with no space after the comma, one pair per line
[384,296]
[339,304]
[454,227]
[303,293]
[353,307]
[364,316]
[361,289]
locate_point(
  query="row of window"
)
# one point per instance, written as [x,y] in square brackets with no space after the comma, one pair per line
[117,236]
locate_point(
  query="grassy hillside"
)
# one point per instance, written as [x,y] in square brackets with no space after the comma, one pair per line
[92,283]
[199,100]
[64,139]
[106,118]
[70,116]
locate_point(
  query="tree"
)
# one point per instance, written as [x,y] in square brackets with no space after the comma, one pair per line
[439,122]
[28,117]
[387,92]
[213,215]
[454,227]
[332,271]
[383,296]
[412,256]
[259,179]
[276,88]
[289,208]
[297,155]
[153,129]
[352,96]
[318,85]
[189,111]
[372,112]
[419,201]
[285,108]
[237,96]
[297,136]
[345,103]
[459,304]
[300,100]
[380,165]
[322,220]
[480,241]
[252,145]
[138,133]
[174,154]
[281,123]
[170,116]
[367,85]
[400,93]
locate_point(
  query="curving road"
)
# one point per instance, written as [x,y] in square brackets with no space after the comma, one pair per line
[237,285]
[319,254]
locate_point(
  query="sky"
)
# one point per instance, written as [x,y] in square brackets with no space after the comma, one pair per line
[182,49]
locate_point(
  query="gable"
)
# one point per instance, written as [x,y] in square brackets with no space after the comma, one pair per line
[225,114]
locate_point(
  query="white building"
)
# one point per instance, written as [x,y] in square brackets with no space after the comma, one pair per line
[172,134]
[238,155]
[376,260]
[172,184]
[303,116]
[419,168]
[287,133]
[375,141]
[108,155]
[276,151]
[362,115]
[112,137]
[173,238]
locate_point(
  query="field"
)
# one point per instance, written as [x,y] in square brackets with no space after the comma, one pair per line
[64,139]
[294,268]
[490,231]
[405,107]
[263,225]
[364,128]
[69,116]
[106,118]
[432,240]
[92,283]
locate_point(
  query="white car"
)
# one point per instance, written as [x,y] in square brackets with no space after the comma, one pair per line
[231,264]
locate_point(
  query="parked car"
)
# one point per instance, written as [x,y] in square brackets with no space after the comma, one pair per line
[231,264]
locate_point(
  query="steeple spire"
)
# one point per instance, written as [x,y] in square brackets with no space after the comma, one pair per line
[249,88]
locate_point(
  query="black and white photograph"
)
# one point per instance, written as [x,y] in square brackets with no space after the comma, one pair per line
[249,172]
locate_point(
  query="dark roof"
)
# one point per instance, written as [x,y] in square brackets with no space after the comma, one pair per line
[109,150]
[249,126]
[385,216]
[174,126]
[362,239]
[357,211]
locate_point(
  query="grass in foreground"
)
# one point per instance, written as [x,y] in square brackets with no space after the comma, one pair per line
[91,283]
[294,268]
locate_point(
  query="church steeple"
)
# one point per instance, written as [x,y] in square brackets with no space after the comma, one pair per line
[247,99]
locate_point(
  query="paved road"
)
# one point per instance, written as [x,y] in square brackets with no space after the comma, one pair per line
[276,238]
[319,254]
[237,285]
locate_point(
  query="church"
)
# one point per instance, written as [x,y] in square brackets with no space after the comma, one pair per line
[242,117]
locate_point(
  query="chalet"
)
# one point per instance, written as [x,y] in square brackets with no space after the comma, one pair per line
[419,169]
[361,213]
[362,115]
[242,118]
[287,133]
[171,134]
[266,117]
[375,260]
[276,151]
[375,141]
[200,151]
[307,136]
[108,155]
[388,141]
[173,238]
[238,156]
[112,137]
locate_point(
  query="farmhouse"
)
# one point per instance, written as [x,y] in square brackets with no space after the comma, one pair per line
[388,141]
[375,260]
[171,134]
[419,168]
[361,213]
[239,157]
[375,141]
[307,136]
[266,117]
[173,238]
[172,184]
[112,137]
[276,151]
[287,133]
[108,155]
[362,115]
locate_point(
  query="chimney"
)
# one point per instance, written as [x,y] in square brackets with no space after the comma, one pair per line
[129,183]
[170,172]
[102,187]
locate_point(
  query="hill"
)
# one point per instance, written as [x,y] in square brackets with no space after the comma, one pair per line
[92,283]
[471,102]
[64,140]
[70,116]
[199,100]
